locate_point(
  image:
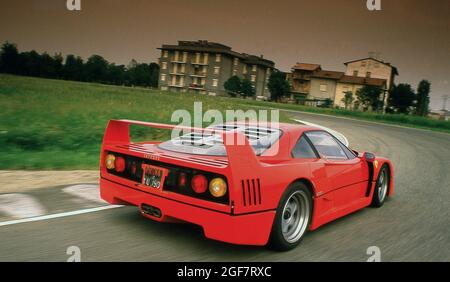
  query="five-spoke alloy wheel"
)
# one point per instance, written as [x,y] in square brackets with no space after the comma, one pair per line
[292,218]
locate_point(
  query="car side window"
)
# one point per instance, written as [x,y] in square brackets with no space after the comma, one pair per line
[326,145]
[348,152]
[303,150]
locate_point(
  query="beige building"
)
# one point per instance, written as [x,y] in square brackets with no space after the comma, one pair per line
[353,84]
[373,68]
[323,85]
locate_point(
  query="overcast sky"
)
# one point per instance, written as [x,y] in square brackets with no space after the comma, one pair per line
[413,35]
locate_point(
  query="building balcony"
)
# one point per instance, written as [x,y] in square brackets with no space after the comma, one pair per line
[199,74]
[199,63]
[300,91]
[178,62]
[196,86]
[301,77]
[176,85]
[177,73]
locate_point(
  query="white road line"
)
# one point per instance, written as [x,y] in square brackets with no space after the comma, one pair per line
[341,137]
[58,215]
[20,206]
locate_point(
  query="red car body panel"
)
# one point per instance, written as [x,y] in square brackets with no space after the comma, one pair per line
[255,184]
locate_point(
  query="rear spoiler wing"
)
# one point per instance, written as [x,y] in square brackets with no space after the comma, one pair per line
[240,153]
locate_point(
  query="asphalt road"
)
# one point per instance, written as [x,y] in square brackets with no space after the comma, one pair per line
[412,226]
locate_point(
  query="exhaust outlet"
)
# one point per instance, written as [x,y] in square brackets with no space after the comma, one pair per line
[151,210]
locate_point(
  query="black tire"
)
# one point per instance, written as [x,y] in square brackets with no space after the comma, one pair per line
[278,240]
[380,194]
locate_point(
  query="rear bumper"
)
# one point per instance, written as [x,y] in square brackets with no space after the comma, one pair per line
[249,229]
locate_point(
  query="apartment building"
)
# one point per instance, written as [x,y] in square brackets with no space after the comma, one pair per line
[204,67]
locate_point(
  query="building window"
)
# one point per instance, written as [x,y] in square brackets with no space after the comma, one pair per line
[197,58]
[253,78]
[185,54]
[254,68]
[205,58]
[165,54]
[218,58]
[176,56]
[183,68]
[355,73]
[368,74]
[217,70]
[164,65]
[236,61]
[215,82]
[323,88]
[244,69]
[268,73]
[163,77]
[234,72]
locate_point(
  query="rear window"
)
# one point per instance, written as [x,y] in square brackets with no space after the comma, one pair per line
[207,144]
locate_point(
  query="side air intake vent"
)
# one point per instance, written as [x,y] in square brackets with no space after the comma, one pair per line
[251,192]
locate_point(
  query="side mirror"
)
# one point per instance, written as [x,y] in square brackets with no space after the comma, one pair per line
[369,157]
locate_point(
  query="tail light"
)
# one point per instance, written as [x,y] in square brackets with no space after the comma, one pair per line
[133,168]
[218,187]
[120,164]
[110,161]
[182,179]
[199,184]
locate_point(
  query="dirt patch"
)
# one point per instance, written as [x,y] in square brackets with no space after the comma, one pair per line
[12,181]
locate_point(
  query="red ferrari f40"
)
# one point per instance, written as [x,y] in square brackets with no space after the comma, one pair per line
[269,189]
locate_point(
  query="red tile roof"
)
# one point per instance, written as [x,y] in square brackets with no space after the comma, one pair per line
[305,66]
[363,81]
[336,75]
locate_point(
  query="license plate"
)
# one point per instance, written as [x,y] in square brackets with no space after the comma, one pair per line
[153,176]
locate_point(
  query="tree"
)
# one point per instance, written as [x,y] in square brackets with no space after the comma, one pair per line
[116,74]
[73,68]
[369,97]
[30,63]
[247,88]
[278,85]
[9,58]
[154,74]
[423,98]
[401,98]
[348,99]
[233,85]
[50,66]
[96,69]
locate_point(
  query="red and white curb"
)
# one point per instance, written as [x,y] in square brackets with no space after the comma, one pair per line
[25,208]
